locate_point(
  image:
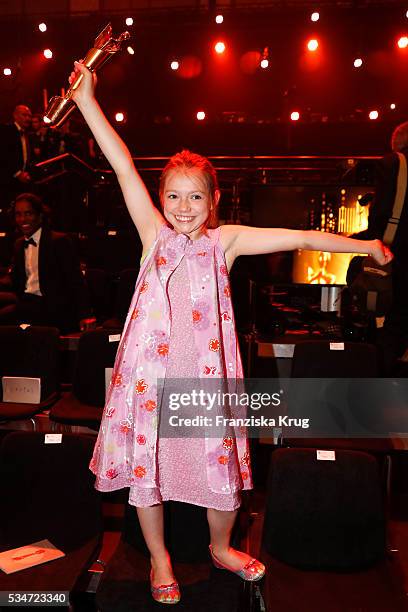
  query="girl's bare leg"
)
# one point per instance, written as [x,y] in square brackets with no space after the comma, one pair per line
[151,522]
[221,523]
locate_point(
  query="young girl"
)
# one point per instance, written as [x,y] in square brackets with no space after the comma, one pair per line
[180,324]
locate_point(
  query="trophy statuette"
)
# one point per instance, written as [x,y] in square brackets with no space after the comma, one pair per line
[105,46]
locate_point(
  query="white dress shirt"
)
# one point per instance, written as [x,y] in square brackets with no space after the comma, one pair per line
[31,265]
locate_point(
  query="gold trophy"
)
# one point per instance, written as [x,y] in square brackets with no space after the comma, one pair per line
[59,108]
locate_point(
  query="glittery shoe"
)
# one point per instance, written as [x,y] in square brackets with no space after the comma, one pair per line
[253,570]
[165,593]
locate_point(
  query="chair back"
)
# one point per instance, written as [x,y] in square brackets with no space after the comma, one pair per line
[47,491]
[324,514]
[32,352]
[125,291]
[96,352]
[321,359]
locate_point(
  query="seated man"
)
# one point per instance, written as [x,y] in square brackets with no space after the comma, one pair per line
[15,155]
[45,274]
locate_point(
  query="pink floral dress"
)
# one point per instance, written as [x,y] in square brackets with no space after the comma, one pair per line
[180,324]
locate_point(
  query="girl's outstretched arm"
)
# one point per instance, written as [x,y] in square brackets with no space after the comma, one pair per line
[145,215]
[242,240]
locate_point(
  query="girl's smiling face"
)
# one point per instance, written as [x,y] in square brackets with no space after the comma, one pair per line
[187,202]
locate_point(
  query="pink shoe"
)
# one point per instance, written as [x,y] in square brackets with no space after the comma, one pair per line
[165,593]
[252,571]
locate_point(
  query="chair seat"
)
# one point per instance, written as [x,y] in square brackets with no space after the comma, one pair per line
[71,411]
[60,574]
[375,589]
[12,411]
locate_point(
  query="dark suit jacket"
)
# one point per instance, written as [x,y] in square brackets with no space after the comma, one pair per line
[11,158]
[61,282]
[380,211]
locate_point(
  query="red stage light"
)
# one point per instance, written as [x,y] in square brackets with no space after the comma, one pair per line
[47,53]
[250,61]
[295,116]
[219,19]
[358,62]
[393,106]
[119,117]
[219,47]
[312,44]
[315,16]
[373,115]
[200,116]
[7,71]
[174,65]
[264,63]
[130,50]
[42,27]
[129,21]
[190,67]
[403,42]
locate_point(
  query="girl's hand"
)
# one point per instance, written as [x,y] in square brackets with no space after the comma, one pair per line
[380,253]
[85,91]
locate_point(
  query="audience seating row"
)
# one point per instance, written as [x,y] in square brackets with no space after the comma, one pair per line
[324,516]
[34,352]
[314,510]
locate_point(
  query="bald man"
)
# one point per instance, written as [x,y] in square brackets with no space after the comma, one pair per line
[15,155]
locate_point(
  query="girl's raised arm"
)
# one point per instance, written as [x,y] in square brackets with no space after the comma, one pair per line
[242,240]
[145,215]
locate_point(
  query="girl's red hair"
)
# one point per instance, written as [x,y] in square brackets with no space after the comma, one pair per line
[187,162]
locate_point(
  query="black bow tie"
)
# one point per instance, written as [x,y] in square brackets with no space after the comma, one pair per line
[29,241]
